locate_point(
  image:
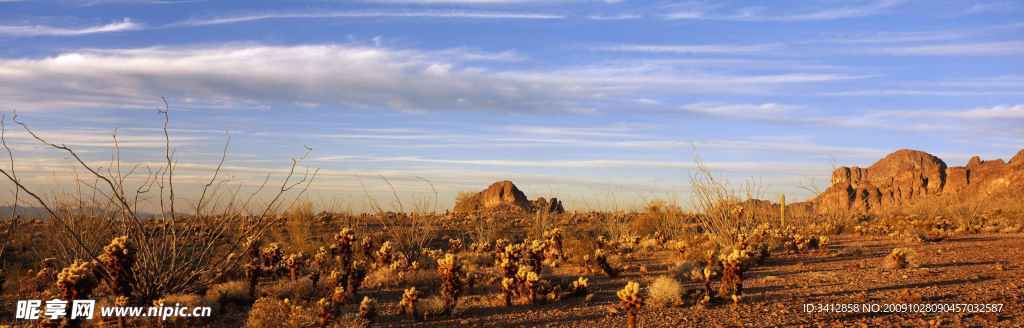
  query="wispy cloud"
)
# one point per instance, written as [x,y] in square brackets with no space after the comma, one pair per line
[689,48]
[765,111]
[759,14]
[441,14]
[44,30]
[985,7]
[999,48]
[349,77]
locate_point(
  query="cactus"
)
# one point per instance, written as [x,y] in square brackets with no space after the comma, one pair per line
[782,210]
[118,258]
[630,301]
[294,263]
[368,309]
[580,286]
[408,303]
[450,270]
[602,261]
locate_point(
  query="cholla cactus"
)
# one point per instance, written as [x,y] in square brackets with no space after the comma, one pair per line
[732,274]
[319,264]
[408,303]
[454,244]
[508,289]
[534,256]
[117,258]
[385,255]
[602,261]
[357,273]
[271,256]
[368,309]
[450,270]
[709,272]
[530,284]
[330,307]
[366,245]
[630,301]
[342,248]
[77,281]
[553,237]
[294,263]
[580,286]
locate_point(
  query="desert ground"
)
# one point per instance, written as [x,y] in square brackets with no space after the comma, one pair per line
[882,246]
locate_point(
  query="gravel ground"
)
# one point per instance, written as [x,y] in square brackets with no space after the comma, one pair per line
[975,269]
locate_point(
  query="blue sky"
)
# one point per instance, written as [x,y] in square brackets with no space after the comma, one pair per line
[602,103]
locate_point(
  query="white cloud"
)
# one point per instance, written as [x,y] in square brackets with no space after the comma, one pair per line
[348,77]
[43,30]
[364,14]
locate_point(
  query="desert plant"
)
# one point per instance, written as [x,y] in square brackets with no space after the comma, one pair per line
[665,291]
[630,301]
[732,274]
[368,309]
[176,253]
[450,270]
[330,306]
[553,238]
[900,258]
[508,290]
[385,255]
[272,313]
[118,257]
[580,286]
[228,293]
[530,284]
[709,272]
[408,303]
[294,263]
[76,282]
[602,262]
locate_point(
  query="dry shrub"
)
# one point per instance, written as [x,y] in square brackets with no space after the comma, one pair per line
[900,258]
[229,293]
[665,291]
[299,289]
[189,300]
[659,216]
[273,313]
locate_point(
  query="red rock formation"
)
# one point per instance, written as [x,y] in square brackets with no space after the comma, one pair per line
[504,195]
[906,176]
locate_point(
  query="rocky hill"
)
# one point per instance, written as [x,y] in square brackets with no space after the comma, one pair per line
[907,176]
[505,196]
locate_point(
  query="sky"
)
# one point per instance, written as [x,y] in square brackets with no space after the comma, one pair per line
[603,104]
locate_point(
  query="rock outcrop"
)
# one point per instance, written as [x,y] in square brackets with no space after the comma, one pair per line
[907,176]
[505,196]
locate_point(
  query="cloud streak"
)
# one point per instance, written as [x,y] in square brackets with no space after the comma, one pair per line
[44,30]
[438,14]
[349,77]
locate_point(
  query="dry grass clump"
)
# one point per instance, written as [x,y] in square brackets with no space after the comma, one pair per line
[630,301]
[229,293]
[665,291]
[900,258]
[299,289]
[274,313]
